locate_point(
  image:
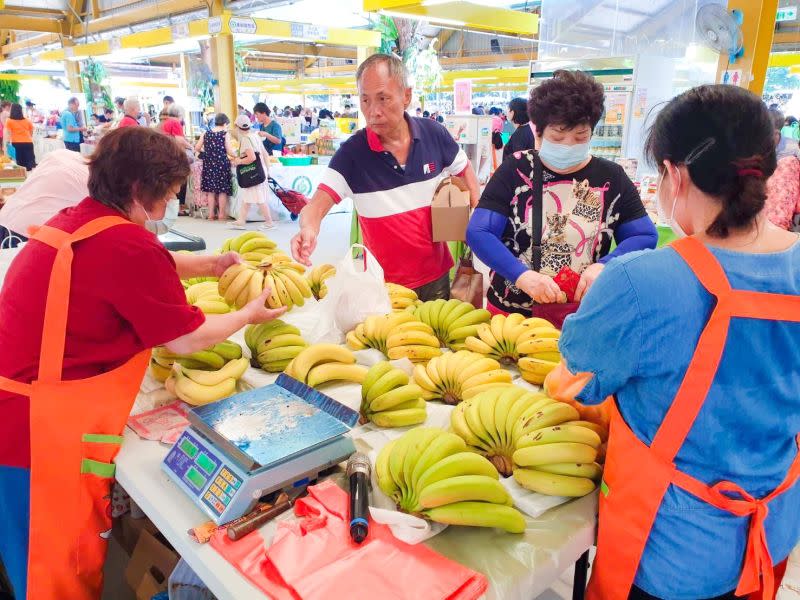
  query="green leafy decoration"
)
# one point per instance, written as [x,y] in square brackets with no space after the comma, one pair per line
[204,90]
[389,35]
[9,89]
[424,66]
[93,77]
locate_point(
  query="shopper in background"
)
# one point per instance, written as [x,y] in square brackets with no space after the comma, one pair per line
[70,127]
[325,114]
[84,328]
[683,338]
[168,101]
[785,146]
[18,132]
[586,201]
[251,150]
[349,113]
[418,112]
[391,170]
[216,181]
[782,207]
[522,138]
[268,128]
[132,110]
[5,112]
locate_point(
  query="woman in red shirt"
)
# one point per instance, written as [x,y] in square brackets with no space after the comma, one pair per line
[113,293]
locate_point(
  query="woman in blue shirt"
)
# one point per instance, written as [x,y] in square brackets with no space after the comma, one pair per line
[637,336]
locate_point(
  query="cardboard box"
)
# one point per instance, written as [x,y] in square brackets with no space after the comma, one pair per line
[13,173]
[450,211]
[126,530]
[150,566]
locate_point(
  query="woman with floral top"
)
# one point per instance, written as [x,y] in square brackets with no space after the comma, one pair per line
[578,203]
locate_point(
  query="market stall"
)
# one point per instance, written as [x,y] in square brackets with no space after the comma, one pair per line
[516,566]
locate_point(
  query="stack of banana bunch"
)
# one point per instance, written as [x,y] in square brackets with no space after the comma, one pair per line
[241,283]
[389,400]
[187,283]
[458,376]
[316,279]
[542,441]
[273,345]
[452,321]
[324,363]
[401,297]
[201,377]
[205,296]
[430,472]
[253,246]
[506,338]
[397,335]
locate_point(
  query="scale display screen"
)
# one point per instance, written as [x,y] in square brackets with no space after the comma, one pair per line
[203,473]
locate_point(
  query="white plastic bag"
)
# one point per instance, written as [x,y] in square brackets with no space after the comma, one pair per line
[352,296]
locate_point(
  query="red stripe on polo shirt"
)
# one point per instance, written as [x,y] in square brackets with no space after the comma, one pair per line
[408,259]
[331,192]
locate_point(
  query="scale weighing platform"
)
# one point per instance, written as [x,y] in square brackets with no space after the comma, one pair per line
[251,444]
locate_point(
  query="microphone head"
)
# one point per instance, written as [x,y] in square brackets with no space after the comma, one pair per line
[358,463]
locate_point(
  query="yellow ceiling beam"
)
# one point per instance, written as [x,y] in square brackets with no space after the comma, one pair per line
[513,74]
[304,49]
[124,18]
[470,15]
[784,60]
[786,37]
[21,77]
[35,41]
[19,23]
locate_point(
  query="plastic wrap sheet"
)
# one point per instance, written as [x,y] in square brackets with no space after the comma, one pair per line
[521,567]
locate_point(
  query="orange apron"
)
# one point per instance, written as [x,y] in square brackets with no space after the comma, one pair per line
[76,429]
[637,476]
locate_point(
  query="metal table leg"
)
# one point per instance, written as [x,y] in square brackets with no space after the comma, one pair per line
[579,580]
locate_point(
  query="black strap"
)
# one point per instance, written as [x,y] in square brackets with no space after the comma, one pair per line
[536,213]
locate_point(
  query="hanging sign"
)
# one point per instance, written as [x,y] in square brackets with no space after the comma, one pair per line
[214,25]
[786,13]
[309,32]
[242,25]
[462,96]
[180,31]
[732,77]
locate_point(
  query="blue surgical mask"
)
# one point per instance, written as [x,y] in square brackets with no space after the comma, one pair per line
[161,226]
[562,156]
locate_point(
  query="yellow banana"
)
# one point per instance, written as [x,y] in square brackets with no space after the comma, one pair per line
[456,465]
[552,484]
[299,281]
[317,354]
[328,372]
[538,345]
[496,327]
[228,277]
[548,415]
[291,288]
[413,326]
[559,433]
[422,379]
[487,377]
[197,395]
[274,300]
[418,440]
[591,471]
[237,242]
[256,244]
[400,395]
[460,426]
[213,307]
[375,372]
[400,418]
[474,391]
[352,341]
[415,353]
[473,317]
[283,293]
[159,372]
[559,452]
[440,448]
[234,369]
[279,354]
[412,337]
[279,341]
[237,285]
[488,338]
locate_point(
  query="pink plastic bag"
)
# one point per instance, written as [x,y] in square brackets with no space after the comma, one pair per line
[314,558]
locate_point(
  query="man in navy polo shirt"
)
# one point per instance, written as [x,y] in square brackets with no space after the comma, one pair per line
[391,170]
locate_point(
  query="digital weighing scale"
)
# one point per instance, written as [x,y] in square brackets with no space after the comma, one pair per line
[243,447]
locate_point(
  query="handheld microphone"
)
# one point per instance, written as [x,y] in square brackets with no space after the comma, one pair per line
[358,476]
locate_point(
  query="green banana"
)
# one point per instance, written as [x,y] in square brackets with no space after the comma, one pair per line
[228,350]
[209,357]
[401,417]
[478,514]
[391,399]
[382,473]
[389,381]
[375,372]
[464,488]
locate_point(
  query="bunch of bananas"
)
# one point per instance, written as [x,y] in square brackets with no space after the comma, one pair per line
[389,400]
[249,241]
[205,296]
[316,279]
[187,283]
[430,472]
[323,363]
[558,460]
[452,320]
[506,338]
[397,335]
[402,298]
[241,283]
[210,359]
[486,422]
[273,345]
[459,376]
[198,387]
[541,356]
